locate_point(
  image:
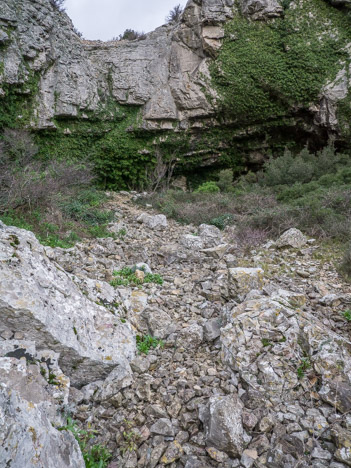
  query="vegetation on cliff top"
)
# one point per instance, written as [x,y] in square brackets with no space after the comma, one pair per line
[271,69]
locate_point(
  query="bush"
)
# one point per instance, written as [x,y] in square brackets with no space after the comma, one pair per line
[225,180]
[208,187]
[26,182]
[346,262]
[303,168]
[175,14]
[131,35]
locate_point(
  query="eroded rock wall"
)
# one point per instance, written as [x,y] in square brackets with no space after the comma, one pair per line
[231,80]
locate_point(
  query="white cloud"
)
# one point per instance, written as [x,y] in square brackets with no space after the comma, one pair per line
[104,19]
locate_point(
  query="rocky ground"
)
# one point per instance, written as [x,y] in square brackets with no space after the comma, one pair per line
[254,366]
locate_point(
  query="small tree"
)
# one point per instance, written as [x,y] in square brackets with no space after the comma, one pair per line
[131,35]
[175,14]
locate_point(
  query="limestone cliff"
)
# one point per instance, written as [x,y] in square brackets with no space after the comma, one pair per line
[229,83]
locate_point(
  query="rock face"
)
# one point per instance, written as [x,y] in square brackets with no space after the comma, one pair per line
[180,79]
[40,300]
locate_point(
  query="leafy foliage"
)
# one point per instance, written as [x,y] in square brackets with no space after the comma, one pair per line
[266,69]
[208,187]
[147,342]
[95,456]
[131,35]
[126,276]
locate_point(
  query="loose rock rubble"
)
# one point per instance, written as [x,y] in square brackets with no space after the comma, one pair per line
[255,365]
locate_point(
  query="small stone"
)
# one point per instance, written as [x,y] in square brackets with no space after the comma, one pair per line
[140,275]
[249,420]
[162,427]
[212,329]
[248,458]
[266,424]
[173,452]
[217,455]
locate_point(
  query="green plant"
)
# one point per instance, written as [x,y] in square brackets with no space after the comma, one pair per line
[95,456]
[305,364]
[52,379]
[208,187]
[347,314]
[266,342]
[126,276]
[130,441]
[222,221]
[225,180]
[147,342]
[345,267]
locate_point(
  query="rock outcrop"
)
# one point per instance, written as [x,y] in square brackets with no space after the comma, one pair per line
[180,80]
[41,301]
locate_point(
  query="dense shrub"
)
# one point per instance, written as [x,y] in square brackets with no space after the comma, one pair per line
[311,192]
[303,168]
[26,182]
[49,198]
[225,180]
[131,35]
[346,262]
[208,187]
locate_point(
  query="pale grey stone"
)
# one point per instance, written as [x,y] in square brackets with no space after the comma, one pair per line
[223,425]
[90,340]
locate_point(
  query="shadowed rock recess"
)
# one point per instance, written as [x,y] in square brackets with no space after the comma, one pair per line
[227,85]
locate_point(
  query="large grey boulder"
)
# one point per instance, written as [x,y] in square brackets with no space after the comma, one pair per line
[292,238]
[40,300]
[30,398]
[28,439]
[222,420]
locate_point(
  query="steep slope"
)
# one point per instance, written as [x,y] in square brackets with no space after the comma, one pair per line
[230,83]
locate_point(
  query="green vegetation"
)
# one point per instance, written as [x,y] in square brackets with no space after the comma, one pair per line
[127,276]
[208,187]
[305,364]
[147,342]
[308,191]
[95,456]
[347,315]
[265,69]
[54,199]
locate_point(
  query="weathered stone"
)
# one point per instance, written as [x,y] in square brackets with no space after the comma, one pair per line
[342,438]
[291,238]
[243,280]
[212,329]
[173,452]
[223,426]
[27,415]
[162,427]
[41,301]
[191,242]
[120,378]
[261,9]
[153,222]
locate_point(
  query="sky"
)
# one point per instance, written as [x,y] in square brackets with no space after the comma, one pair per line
[105,19]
